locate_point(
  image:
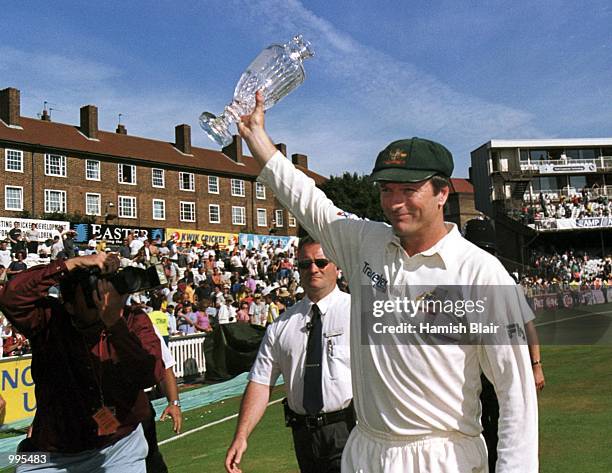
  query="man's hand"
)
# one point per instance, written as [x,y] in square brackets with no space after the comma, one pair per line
[109,302]
[177,417]
[538,374]
[251,128]
[234,455]
[107,262]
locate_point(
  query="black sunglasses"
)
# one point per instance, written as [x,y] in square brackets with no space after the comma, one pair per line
[319,262]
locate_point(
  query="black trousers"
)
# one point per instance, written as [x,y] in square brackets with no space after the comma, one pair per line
[155,461]
[320,450]
[489,419]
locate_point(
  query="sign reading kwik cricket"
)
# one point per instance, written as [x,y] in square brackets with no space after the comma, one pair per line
[201,237]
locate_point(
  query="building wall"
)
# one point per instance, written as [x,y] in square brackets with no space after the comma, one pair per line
[34,182]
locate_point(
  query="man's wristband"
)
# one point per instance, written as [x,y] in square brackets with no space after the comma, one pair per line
[176,403]
[536,362]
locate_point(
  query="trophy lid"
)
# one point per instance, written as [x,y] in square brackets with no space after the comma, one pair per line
[299,48]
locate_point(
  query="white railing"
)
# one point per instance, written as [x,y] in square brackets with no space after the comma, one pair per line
[188,351]
[602,162]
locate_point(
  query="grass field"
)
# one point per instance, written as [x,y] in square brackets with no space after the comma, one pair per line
[575,423]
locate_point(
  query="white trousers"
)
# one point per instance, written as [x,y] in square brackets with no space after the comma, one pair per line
[445,453]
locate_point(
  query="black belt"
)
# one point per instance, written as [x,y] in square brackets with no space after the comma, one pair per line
[314,422]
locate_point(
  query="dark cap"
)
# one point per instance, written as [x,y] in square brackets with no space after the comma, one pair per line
[412,160]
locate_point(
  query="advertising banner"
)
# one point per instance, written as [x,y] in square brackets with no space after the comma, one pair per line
[47,228]
[113,234]
[201,237]
[566,168]
[251,240]
[17,389]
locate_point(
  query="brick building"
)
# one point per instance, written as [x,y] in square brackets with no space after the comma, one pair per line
[54,168]
[460,206]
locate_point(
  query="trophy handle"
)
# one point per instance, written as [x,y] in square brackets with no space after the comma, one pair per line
[217,128]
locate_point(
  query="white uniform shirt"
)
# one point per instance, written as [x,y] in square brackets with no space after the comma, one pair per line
[283,351]
[408,390]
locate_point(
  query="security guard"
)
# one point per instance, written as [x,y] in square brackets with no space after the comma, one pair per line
[309,345]
[417,405]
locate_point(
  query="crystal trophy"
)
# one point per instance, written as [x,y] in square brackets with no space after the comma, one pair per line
[276,71]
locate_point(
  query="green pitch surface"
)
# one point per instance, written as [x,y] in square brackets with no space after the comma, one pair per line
[575,423]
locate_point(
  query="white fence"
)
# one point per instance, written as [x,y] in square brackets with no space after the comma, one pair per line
[188,351]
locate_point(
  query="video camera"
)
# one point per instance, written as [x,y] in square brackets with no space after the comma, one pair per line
[126,281]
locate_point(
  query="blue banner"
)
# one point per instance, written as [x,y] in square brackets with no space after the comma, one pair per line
[250,240]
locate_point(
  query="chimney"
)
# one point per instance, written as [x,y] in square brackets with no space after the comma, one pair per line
[182,138]
[300,160]
[121,129]
[234,150]
[282,147]
[45,117]
[89,121]
[10,106]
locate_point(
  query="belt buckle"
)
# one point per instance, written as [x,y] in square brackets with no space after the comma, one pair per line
[314,422]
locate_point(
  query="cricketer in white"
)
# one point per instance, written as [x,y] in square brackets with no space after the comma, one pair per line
[417,406]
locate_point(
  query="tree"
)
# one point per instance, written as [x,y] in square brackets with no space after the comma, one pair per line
[355,194]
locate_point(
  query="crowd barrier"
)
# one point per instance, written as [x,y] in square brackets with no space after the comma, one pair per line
[568,299]
[17,386]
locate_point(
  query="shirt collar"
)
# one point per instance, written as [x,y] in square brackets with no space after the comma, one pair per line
[445,248]
[324,304]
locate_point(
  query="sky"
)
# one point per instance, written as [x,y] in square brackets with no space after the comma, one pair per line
[460,73]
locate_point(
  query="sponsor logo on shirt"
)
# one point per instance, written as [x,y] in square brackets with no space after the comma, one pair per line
[378,280]
[345,214]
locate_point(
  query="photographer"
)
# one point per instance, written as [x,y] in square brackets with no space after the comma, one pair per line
[92,357]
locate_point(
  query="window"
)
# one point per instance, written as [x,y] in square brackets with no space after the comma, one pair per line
[279,218]
[213,185]
[159,209]
[186,181]
[127,174]
[291,220]
[187,212]
[13,198]
[214,213]
[238,216]
[238,187]
[13,160]
[260,190]
[158,178]
[93,204]
[55,165]
[127,206]
[262,218]
[55,201]
[92,170]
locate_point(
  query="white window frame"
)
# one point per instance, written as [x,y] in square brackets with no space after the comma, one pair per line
[210,219]
[237,186]
[20,189]
[99,209]
[235,215]
[214,179]
[260,191]
[163,178]
[120,174]
[7,158]
[261,212]
[278,218]
[63,204]
[120,212]
[191,177]
[163,209]
[291,221]
[61,165]
[184,204]
[99,169]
